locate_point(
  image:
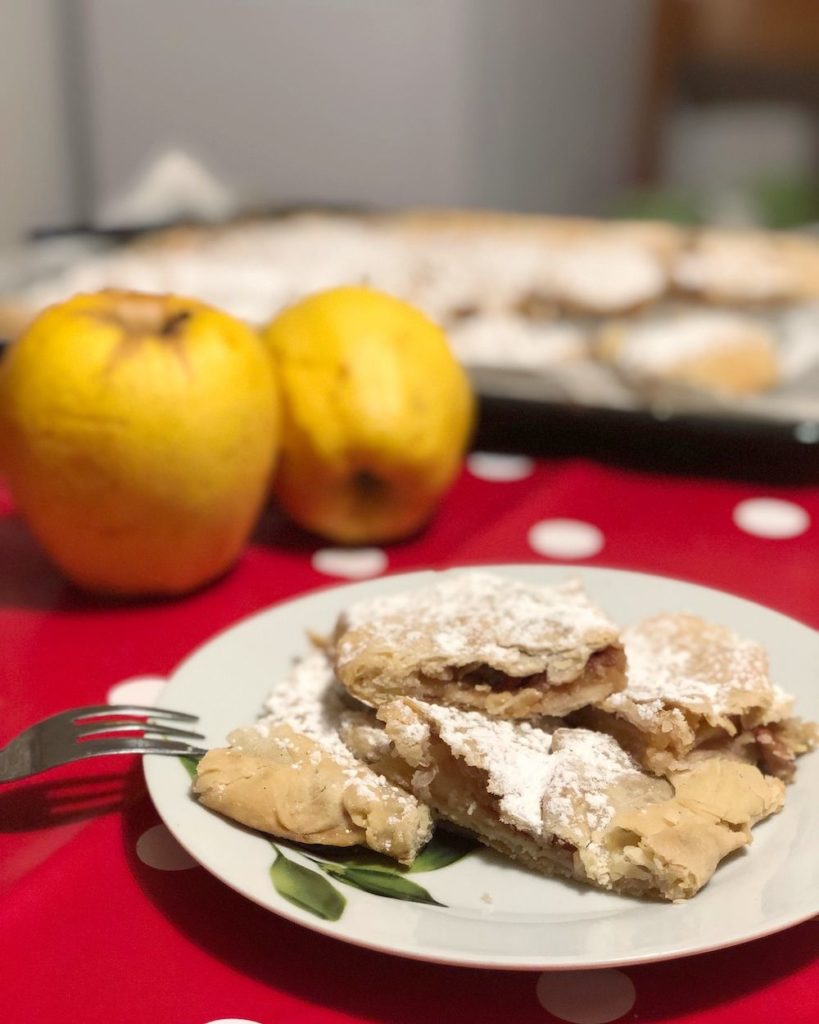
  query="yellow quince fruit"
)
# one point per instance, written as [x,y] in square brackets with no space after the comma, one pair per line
[138,435]
[376,414]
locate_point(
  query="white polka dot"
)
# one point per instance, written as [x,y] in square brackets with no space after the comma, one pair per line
[586,997]
[142,690]
[499,468]
[771,517]
[232,1020]
[353,563]
[158,849]
[807,432]
[565,538]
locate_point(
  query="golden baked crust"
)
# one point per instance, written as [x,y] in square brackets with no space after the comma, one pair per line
[574,804]
[697,687]
[365,737]
[288,785]
[567,801]
[290,774]
[478,640]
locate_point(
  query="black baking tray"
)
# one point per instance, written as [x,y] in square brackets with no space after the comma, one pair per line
[731,448]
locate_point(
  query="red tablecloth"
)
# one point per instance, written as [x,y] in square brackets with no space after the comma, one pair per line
[90,932]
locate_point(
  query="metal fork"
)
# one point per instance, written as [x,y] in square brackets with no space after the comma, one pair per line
[86,732]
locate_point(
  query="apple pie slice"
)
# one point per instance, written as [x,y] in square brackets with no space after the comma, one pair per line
[291,776]
[477,640]
[715,351]
[695,689]
[573,803]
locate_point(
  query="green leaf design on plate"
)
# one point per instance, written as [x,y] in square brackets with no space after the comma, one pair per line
[351,856]
[189,764]
[306,888]
[381,883]
[443,849]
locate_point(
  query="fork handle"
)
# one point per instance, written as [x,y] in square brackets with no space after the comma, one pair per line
[15,762]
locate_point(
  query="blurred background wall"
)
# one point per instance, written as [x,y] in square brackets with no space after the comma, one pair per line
[372,101]
[36,169]
[664,107]
[527,103]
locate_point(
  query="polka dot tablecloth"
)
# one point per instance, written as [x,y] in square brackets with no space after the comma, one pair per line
[104,918]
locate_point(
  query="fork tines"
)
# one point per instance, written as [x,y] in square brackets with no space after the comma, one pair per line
[78,733]
[132,720]
[114,710]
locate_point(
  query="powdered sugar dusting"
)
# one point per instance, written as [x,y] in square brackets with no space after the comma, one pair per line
[451,272]
[514,755]
[309,701]
[529,768]
[781,704]
[583,766]
[254,270]
[609,277]
[503,339]
[681,660]
[480,617]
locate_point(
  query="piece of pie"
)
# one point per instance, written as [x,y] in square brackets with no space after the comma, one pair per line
[513,341]
[695,688]
[291,776]
[745,268]
[573,803]
[477,640]
[606,277]
[715,351]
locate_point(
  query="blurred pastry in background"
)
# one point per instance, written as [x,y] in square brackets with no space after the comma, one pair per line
[747,269]
[601,278]
[513,341]
[712,350]
[602,314]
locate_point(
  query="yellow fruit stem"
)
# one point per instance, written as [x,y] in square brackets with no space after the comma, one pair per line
[142,316]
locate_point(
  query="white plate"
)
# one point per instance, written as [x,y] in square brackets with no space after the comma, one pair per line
[498,915]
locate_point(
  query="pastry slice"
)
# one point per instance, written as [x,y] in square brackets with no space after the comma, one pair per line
[291,776]
[573,803]
[604,278]
[512,341]
[714,351]
[477,640]
[740,269]
[696,689]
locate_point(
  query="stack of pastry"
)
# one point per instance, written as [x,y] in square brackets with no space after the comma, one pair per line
[520,713]
[605,313]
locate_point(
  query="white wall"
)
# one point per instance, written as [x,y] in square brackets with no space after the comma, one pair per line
[512,103]
[516,103]
[553,100]
[36,185]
